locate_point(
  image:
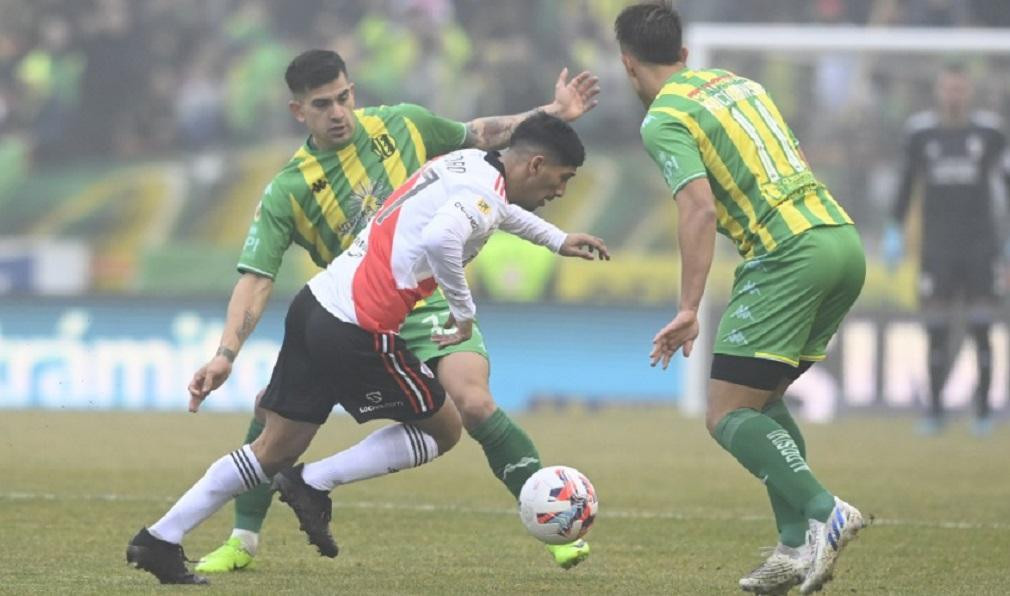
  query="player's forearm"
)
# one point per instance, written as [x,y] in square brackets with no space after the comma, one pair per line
[494,132]
[248,300]
[696,234]
[532,228]
[443,248]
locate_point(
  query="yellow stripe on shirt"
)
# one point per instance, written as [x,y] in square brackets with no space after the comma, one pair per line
[725,179]
[329,206]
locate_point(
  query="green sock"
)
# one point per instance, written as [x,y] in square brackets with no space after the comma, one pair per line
[251,506]
[509,450]
[791,523]
[768,452]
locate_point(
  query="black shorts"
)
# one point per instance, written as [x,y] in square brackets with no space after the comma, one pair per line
[324,361]
[957,273]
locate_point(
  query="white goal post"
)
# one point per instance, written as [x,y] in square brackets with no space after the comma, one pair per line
[703,39]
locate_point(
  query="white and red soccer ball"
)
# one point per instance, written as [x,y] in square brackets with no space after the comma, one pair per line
[558,504]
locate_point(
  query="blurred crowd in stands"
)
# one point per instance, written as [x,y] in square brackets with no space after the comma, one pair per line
[136,79]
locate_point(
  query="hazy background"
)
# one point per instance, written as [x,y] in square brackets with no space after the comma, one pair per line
[136,138]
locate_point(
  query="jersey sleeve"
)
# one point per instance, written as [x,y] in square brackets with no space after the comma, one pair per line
[270,233]
[530,227]
[461,217]
[440,135]
[674,150]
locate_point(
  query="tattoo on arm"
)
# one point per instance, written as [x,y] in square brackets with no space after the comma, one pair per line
[229,354]
[248,324]
[494,132]
[243,333]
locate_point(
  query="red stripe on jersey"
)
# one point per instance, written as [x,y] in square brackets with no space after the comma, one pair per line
[420,383]
[499,186]
[378,304]
[384,356]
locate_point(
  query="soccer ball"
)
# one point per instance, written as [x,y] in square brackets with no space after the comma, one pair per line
[558,504]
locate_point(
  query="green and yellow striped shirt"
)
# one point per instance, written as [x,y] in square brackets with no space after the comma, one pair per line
[320,200]
[725,127]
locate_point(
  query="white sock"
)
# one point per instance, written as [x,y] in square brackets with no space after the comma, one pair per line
[389,449]
[229,476]
[250,540]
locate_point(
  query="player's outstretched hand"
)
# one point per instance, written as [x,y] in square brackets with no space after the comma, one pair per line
[583,246]
[576,97]
[452,333]
[208,378]
[678,333]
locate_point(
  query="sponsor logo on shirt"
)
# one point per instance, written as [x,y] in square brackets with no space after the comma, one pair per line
[473,223]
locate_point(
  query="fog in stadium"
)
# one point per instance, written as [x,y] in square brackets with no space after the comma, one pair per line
[147,183]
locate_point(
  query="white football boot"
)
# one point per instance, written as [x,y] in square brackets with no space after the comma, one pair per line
[826,540]
[784,568]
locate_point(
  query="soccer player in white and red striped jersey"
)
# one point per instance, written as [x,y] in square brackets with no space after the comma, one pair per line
[341,344]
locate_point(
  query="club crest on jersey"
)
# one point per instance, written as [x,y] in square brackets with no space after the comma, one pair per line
[319,185]
[383,146]
[483,206]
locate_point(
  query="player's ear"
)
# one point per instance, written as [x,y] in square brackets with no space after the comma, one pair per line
[628,63]
[536,164]
[296,109]
[683,55]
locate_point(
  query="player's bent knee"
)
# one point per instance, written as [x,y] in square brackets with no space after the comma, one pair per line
[447,439]
[475,405]
[444,426]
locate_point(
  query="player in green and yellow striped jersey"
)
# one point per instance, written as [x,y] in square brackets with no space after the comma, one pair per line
[734,166]
[352,160]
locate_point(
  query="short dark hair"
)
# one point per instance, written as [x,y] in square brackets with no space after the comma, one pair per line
[313,68]
[554,136]
[651,32]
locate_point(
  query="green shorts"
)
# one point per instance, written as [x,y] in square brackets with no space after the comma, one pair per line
[428,316]
[786,305]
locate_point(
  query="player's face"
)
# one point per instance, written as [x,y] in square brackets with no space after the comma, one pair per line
[544,183]
[953,92]
[328,112]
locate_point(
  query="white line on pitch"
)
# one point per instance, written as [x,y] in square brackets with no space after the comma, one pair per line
[604,513]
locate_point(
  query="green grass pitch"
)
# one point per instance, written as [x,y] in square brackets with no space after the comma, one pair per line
[677,514]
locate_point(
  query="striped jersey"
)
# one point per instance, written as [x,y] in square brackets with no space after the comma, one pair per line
[322,198]
[424,235]
[725,127]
